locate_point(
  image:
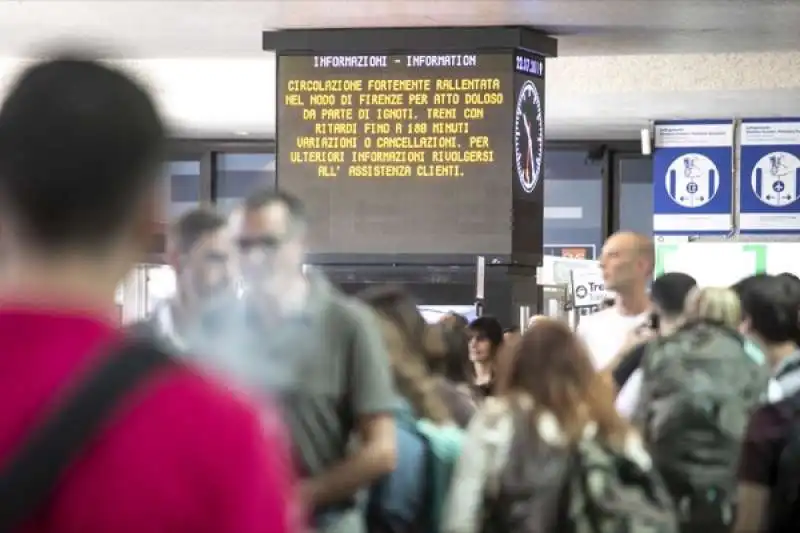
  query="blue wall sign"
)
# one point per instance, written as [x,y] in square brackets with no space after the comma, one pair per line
[769,176]
[693,177]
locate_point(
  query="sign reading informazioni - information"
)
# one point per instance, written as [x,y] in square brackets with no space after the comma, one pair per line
[692,177]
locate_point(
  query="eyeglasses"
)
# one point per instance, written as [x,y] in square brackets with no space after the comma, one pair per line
[265,242]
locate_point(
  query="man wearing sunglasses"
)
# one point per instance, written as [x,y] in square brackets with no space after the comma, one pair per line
[322,354]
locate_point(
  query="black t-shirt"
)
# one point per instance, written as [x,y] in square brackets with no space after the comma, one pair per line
[628,365]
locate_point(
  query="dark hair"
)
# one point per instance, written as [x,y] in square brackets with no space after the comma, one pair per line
[490,328]
[408,350]
[454,365]
[771,305]
[193,226]
[744,284]
[267,197]
[669,292]
[80,144]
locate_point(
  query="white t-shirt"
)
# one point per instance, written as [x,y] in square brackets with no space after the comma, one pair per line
[605,333]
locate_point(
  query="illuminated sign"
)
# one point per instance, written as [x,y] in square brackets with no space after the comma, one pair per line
[399,153]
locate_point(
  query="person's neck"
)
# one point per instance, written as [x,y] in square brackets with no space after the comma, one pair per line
[483,373]
[777,353]
[632,302]
[669,325]
[183,310]
[73,283]
[291,294]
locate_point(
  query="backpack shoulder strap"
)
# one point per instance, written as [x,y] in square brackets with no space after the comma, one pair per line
[28,478]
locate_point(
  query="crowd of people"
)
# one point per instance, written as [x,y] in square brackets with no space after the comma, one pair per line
[260,398]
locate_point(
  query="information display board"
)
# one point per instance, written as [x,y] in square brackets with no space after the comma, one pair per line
[400,153]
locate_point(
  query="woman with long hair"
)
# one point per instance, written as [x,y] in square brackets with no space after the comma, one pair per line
[548,399]
[450,365]
[409,341]
[428,443]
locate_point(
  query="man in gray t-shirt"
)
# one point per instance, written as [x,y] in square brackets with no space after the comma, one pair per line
[324,358]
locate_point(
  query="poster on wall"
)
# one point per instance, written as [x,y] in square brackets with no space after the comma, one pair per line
[693,177]
[769,176]
[572,251]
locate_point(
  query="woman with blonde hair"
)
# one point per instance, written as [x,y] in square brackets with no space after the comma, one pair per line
[527,451]
[718,305]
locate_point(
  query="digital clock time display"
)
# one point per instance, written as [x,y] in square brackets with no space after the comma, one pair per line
[529,66]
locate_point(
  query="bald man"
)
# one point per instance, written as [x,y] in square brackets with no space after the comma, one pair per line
[627,261]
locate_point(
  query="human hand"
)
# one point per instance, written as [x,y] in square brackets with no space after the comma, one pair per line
[637,336]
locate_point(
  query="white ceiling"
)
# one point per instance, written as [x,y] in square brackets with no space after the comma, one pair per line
[231,29]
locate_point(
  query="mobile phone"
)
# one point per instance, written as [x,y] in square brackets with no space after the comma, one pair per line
[654,322]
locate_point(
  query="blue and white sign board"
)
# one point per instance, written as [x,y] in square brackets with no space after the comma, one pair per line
[693,177]
[769,176]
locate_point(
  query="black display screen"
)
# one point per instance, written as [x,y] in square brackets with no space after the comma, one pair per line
[406,154]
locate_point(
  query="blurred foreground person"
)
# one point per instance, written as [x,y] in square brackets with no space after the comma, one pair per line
[551,450]
[322,353]
[200,250]
[428,443]
[700,385]
[769,468]
[80,154]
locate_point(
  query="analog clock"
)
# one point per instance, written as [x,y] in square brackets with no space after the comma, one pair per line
[528,136]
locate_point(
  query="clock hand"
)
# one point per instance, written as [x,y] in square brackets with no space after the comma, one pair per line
[527,126]
[530,152]
[530,141]
[528,164]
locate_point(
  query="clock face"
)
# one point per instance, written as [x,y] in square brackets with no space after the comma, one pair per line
[528,136]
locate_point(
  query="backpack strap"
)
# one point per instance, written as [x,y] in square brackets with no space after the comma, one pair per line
[28,478]
[425,520]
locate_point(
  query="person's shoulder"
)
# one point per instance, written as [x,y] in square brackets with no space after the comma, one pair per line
[598,320]
[350,309]
[604,315]
[179,433]
[182,405]
[771,421]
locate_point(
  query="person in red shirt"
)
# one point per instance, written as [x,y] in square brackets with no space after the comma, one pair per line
[80,155]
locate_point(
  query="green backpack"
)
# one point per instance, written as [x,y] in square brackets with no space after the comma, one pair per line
[699,388]
[587,488]
[609,493]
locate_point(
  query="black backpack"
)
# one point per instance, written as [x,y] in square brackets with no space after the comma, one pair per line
[28,477]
